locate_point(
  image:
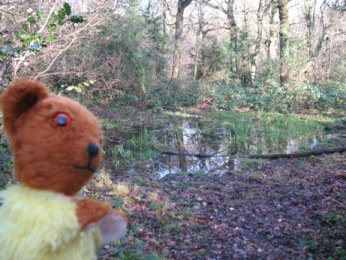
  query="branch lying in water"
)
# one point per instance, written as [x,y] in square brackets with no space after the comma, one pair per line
[261,156]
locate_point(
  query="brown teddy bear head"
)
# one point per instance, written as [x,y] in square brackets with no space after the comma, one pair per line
[55,141]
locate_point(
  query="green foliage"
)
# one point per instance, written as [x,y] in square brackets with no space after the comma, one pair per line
[6,163]
[126,57]
[80,87]
[263,132]
[121,155]
[141,45]
[267,95]
[328,241]
[67,9]
[224,96]
[228,88]
[213,58]
[332,95]
[80,91]
[174,95]
[137,147]
[28,35]
[124,252]
[6,158]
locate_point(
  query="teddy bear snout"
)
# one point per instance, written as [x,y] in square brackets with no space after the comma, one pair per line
[93,149]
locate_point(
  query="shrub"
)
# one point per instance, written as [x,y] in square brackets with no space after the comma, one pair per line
[6,163]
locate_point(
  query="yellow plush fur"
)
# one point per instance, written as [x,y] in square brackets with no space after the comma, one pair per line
[60,237]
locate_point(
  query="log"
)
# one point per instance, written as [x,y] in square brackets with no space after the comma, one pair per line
[297,155]
[261,156]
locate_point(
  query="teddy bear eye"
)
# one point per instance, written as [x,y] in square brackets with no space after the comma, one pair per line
[62,119]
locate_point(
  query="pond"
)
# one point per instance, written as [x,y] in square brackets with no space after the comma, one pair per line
[221,134]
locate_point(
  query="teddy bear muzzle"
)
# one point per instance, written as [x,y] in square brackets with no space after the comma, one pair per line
[93,151]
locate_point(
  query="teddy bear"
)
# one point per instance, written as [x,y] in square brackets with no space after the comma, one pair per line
[56,148]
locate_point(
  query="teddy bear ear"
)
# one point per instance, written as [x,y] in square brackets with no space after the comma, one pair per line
[18,99]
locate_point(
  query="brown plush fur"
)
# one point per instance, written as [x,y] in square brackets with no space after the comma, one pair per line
[48,156]
[101,209]
[87,205]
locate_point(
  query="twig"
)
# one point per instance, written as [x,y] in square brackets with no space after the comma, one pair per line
[336,201]
[48,17]
[56,57]
[8,12]
[65,49]
[63,73]
[27,52]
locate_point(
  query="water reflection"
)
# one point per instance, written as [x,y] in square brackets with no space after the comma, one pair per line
[207,137]
[168,164]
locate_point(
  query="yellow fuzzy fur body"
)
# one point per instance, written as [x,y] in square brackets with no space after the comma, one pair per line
[42,225]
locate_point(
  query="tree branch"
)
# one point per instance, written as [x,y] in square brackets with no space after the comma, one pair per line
[27,52]
[56,57]
[66,48]
[48,17]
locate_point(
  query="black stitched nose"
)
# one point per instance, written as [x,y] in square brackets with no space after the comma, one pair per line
[93,149]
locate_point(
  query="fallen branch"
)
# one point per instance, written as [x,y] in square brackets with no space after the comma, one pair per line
[297,155]
[261,156]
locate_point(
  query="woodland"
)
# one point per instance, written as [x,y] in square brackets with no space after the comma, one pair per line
[224,120]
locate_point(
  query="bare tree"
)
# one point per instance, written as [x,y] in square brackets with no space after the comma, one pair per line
[310,17]
[179,25]
[262,9]
[233,31]
[199,37]
[227,7]
[337,5]
[269,42]
[284,30]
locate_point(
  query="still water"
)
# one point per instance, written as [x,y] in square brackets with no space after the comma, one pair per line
[225,137]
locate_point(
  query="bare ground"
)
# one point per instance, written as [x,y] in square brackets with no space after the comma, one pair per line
[280,209]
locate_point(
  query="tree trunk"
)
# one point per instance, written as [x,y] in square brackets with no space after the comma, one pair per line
[258,40]
[179,25]
[269,42]
[310,24]
[164,22]
[284,29]
[233,32]
[199,37]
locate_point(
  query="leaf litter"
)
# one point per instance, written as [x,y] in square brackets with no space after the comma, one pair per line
[281,209]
